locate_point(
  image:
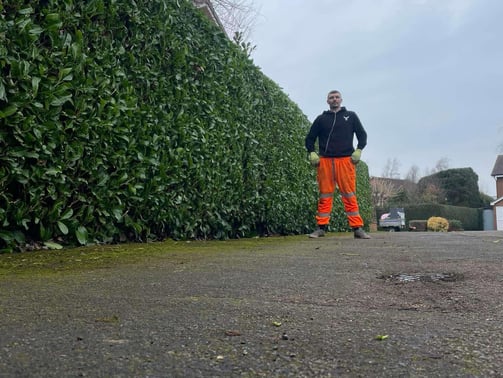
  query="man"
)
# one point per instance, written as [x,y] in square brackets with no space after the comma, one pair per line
[336,162]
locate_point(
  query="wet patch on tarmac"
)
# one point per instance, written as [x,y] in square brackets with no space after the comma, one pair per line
[421,277]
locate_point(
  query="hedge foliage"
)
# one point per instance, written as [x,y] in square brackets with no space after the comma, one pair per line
[124,120]
[470,218]
[455,187]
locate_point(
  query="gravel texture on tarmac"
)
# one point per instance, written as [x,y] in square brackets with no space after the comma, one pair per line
[403,304]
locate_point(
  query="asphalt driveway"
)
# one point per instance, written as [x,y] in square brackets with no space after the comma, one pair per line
[402,304]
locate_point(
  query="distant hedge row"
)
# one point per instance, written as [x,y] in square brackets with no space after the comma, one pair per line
[470,218]
[125,120]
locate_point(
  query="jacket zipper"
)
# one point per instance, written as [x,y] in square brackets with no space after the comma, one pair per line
[330,134]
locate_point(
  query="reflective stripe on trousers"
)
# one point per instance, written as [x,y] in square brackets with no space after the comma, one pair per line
[340,171]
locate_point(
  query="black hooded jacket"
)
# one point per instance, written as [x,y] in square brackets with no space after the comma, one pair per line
[335,133]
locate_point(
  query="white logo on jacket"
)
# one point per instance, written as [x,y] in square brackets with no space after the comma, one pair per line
[346,118]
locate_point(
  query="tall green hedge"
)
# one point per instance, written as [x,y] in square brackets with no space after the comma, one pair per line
[124,120]
[456,187]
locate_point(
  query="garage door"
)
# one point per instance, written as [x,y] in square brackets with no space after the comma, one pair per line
[499,217]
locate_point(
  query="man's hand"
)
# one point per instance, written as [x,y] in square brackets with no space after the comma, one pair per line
[314,159]
[355,157]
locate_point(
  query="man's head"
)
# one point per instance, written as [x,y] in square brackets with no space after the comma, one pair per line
[334,100]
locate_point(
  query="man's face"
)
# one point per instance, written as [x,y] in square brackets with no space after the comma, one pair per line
[334,100]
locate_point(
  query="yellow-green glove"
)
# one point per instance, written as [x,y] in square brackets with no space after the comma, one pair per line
[314,159]
[355,157]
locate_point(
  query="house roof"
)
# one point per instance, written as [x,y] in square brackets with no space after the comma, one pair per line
[209,11]
[497,201]
[498,166]
[397,183]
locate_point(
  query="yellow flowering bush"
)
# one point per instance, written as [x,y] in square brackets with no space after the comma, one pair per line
[437,224]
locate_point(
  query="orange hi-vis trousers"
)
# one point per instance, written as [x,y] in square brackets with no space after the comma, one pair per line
[340,171]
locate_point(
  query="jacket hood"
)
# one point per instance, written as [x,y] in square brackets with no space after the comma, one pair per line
[343,109]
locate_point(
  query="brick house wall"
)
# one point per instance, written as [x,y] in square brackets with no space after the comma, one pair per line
[497,205]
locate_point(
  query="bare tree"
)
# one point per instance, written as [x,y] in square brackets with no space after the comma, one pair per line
[237,16]
[413,174]
[382,190]
[433,194]
[391,169]
[442,164]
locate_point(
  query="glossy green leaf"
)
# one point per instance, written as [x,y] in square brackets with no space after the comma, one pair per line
[61,100]
[3,95]
[35,81]
[63,228]
[8,111]
[81,235]
[67,215]
[53,245]
[36,30]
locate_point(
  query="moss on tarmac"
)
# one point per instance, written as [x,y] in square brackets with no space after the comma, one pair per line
[57,261]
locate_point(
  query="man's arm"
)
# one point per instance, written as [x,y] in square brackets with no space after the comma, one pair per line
[311,138]
[361,134]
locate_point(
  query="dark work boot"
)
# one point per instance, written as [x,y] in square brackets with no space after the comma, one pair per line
[319,232]
[360,234]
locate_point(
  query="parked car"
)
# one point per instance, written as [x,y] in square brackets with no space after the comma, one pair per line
[394,220]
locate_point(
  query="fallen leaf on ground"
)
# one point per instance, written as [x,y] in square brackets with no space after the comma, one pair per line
[52,245]
[232,332]
[381,337]
[110,319]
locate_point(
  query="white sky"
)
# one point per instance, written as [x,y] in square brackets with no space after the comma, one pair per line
[424,76]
